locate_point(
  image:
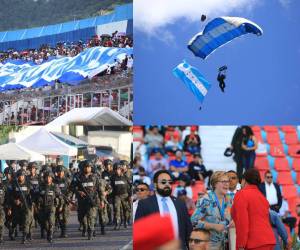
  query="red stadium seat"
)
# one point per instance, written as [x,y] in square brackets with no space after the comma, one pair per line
[293,149]
[291,138]
[258,136]
[273,138]
[298,178]
[296,164]
[281,164]
[285,178]
[138,134]
[292,205]
[261,163]
[288,129]
[277,150]
[262,174]
[289,191]
[270,129]
[256,129]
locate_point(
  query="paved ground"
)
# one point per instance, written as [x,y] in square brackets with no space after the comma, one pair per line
[113,240]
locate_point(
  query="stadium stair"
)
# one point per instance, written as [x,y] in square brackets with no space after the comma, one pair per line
[215,139]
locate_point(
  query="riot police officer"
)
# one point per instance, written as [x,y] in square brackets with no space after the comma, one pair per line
[121,190]
[87,188]
[49,199]
[20,205]
[63,211]
[106,175]
[3,198]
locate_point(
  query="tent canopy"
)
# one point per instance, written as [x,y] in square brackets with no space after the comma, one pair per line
[46,143]
[70,140]
[13,151]
[90,117]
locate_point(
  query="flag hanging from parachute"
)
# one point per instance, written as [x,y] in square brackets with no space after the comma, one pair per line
[193,79]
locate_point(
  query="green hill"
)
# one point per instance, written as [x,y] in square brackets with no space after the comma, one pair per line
[19,14]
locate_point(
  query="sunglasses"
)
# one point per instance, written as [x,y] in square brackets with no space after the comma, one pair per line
[269,177]
[164,182]
[197,241]
[141,189]
[224,182]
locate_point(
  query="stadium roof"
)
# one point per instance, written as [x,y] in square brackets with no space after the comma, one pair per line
[121,13]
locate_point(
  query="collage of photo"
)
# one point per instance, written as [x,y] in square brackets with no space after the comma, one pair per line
[150,125]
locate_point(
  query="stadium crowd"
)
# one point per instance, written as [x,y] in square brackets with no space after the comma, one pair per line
[66,48]
[34,195]
[204,209]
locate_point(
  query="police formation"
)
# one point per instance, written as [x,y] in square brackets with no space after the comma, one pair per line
[41,197]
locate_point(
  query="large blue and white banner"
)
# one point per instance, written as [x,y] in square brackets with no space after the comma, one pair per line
[71,70]
[193,79]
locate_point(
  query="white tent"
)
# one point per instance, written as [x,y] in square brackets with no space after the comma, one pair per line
[13,151]
[45,143]
[90,116]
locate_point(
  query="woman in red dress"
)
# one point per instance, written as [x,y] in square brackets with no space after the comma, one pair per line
[250,212]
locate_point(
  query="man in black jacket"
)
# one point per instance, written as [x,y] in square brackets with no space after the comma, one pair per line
[164,203]
[271,191]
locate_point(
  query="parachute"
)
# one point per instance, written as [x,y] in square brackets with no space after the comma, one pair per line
[220,31]
[193,79]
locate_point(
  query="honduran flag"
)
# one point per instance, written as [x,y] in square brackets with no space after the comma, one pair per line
[193,79]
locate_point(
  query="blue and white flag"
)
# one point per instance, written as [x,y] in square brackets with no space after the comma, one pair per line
[193,79]
[70,70]
[220,31]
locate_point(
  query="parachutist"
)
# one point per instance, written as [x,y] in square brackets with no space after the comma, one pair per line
[221,78]
[203,18]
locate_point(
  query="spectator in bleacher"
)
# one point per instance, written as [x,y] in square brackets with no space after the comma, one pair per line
[153,139]
[190,205]
[136,164]
[172,141]
[192,142]
[178,166]
[142,192]
[163,203]
[157,163]
[236,146]
[184,184]
[197,170]
[199,239]
[211,213]
[234,186]
[250,212]
[249,145]
[284,213]
[271,191]
[142,177]
[279,230]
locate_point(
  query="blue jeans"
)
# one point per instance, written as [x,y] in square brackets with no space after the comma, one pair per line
[248,160]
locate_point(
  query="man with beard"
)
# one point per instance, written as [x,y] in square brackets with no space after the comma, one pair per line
[164,203]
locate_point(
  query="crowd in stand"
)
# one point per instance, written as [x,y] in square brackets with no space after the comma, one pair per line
[117,75]
[69,49]
[231,210]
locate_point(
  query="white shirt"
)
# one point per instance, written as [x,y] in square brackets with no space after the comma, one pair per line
[173,212]
[284,208]
[134,208]
[271,194]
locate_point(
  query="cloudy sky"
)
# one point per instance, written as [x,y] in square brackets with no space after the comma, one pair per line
[263,72]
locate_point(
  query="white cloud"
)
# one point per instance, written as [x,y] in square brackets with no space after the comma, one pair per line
[285,3]
[153,15]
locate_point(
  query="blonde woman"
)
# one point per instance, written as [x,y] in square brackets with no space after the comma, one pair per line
[212,211]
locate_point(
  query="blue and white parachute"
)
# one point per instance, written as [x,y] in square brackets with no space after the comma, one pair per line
[20,74]
[193,79]
[220,31]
